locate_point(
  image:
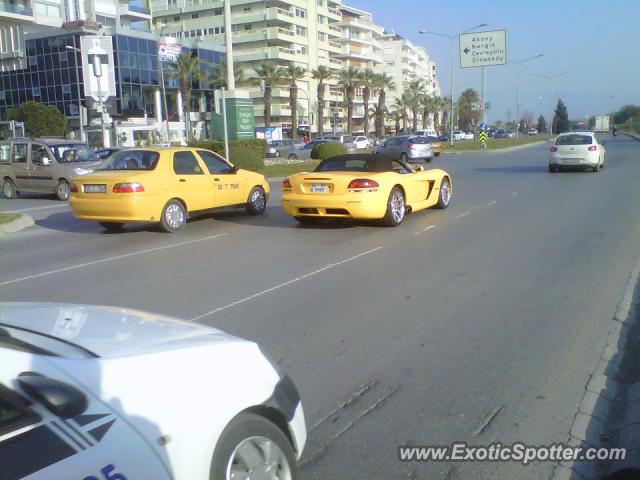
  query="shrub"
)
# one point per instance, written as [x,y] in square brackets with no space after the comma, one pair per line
[40,120]
[254,144]
[326,150]
[246,157]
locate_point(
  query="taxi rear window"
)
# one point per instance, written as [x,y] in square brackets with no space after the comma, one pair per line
[131,160]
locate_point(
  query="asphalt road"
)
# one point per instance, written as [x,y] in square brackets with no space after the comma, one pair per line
[479,323]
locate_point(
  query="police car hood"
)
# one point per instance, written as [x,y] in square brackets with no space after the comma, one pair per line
[109,331]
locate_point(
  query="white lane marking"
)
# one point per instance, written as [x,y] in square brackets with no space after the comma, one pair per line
[492,203]
[463,214]
[108,259]
[284,284]
[513,194]
[428,227]
[33,209]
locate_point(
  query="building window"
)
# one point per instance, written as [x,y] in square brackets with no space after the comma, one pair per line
[320,3]
[246,9]
[302,31]
[176,19]
[301,13]
[321,19]
[172,3]
[218,11]
[194,16]
[301,49]
[322,37]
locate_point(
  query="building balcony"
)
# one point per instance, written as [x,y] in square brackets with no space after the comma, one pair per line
[360,24]
[336,30]
[335,13]
[134,12]
[360,56]
[335,64]
[261,34]
[269,53]
[16,11]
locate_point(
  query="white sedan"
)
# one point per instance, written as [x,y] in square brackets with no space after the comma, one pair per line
[577,150]
[103,393]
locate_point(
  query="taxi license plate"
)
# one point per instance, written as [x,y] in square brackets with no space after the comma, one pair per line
[95,189]
[319,188]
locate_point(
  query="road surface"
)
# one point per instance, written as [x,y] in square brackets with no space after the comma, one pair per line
[479,323]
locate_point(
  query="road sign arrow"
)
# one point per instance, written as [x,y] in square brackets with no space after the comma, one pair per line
[466,50]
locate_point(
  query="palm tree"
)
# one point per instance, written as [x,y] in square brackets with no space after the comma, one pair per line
[368,82]
[415,90]
[271,76]
[216,78]
[428,104]
[349,81]
[383,83]
[187,70]
[292,74]
[396,116]
[402,104]
[321,74]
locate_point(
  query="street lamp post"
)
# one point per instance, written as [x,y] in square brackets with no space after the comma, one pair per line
[551,78]
[163,89]
[517,64]
[308,108]
[452,38]
[97,72]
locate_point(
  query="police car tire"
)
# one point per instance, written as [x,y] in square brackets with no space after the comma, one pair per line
[243,426]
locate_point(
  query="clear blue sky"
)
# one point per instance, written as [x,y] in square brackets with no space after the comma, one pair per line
[597,40]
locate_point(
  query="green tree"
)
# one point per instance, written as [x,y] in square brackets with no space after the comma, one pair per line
[428,104]
[561,121]
[321,74]
[293,74]
[39,120]
[349,81]
[396,116]
[415,90]
[269,75]
[216,78]
[542,124]
[383,83]
[368,83]
[467,117]
[625,113]
[186,71]
[402,104]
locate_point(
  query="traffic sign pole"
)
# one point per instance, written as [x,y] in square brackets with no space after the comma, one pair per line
[484,110]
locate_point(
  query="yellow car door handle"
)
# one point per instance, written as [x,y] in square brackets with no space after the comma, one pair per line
[182,180]
[216,179]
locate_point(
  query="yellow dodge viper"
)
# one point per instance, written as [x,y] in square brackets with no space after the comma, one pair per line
[364,186]
[164,185]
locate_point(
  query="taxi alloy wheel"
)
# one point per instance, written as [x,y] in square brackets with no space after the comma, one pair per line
[395,208]
[63,190]
[9,189]
[174,216]
[445,194]
[257,202]
[253,448]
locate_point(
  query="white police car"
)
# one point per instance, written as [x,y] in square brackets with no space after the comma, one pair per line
[103,393]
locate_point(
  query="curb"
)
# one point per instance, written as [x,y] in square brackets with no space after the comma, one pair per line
[604,396]
[499,150]
[633,135]
[20,223]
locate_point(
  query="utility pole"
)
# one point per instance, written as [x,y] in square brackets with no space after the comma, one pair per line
[165,133]
[224,123]
[231,79]
[518,89]
[551,78]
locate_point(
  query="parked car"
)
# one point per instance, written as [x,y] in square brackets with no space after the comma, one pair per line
[580,150]
[407,148]
[111,393]
[429,132]
[103,153]
[358,142]
[459,135]
[436,143]
[469,136]
[444,137]
[282,148]
[165,186]
[43,165]
[304,153]
[501,134]
[532,132]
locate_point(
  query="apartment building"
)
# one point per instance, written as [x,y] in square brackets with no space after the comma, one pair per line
[405,62]
[305,32]
[361,48]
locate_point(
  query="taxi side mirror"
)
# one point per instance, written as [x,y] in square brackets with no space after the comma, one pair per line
[60,398]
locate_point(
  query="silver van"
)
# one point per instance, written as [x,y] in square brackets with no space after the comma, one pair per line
[43,165]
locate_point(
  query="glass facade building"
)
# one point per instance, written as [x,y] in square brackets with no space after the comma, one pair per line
[54,76]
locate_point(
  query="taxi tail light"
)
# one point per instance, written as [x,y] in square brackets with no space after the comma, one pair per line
[73,187]
[132,187]
[593,148]
[362,183]
[553,149]
[286,184]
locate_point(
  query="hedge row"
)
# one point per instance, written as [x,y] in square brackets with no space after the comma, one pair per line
[326,150]
[217,146]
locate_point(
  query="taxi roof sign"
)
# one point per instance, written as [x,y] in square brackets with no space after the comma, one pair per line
[481,49]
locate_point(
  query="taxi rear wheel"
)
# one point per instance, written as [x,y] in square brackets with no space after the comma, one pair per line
[252,447]
[9,189]
[174,216]
[257,201]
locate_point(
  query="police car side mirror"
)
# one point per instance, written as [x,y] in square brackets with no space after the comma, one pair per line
[60,398]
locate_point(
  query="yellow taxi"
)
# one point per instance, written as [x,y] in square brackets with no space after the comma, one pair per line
[165,186]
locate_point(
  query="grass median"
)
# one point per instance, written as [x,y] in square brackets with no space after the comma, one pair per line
[8,217]
[492,143]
